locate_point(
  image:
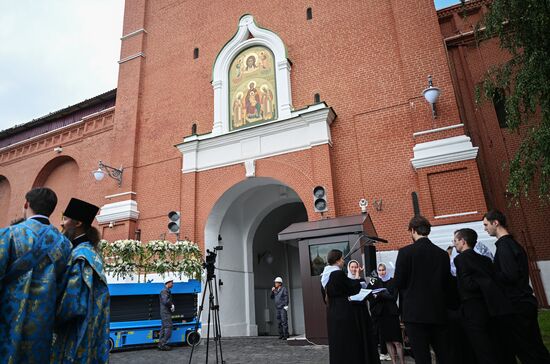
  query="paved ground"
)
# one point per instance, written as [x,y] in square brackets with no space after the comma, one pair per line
[249,350]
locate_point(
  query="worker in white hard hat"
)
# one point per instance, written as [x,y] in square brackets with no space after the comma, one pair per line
[280,295]
[166,309]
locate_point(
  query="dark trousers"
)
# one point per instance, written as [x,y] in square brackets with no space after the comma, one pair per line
[460,350]
[282,318]
[478,327]
[165,330]
[525,335]
[421,336]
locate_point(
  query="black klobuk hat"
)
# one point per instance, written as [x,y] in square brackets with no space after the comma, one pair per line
[81,210]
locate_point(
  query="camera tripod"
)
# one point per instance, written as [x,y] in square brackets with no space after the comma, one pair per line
[213,310]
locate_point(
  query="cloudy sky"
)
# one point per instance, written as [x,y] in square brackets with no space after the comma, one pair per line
[56,53]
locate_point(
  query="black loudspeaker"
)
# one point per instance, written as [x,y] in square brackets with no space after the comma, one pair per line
[369,252]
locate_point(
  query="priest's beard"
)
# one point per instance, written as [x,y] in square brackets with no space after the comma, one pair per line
[69,232]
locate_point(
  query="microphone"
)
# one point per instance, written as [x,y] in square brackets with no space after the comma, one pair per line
[375,238]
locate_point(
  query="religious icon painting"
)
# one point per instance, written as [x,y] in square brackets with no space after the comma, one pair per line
[252,88]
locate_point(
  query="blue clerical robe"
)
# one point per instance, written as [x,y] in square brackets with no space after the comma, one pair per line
[33,257]
[82,326]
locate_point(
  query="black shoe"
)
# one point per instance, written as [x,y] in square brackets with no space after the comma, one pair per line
[280,337]
[165,348]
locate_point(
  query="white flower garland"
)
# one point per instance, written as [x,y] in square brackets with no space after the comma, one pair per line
[124,258]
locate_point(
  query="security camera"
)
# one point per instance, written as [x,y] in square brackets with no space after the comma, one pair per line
[363,205]
[111,225]
[58,149]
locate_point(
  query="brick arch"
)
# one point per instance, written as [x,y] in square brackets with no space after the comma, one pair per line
[235,216]
[61,175]
[299,173]
[293,177]
[225,200]
[5,196]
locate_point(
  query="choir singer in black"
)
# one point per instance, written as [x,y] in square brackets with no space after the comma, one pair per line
[345,333]
[483,307]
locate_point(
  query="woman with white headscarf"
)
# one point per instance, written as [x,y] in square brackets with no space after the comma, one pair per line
[385,313]
[363,318]
[345,338]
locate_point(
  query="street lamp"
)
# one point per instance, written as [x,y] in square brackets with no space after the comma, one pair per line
[431,94]
[114,173]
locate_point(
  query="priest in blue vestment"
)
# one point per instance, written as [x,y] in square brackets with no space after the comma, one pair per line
[33,258]
[82,322]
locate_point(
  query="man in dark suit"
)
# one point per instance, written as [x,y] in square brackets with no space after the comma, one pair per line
[484,307]
[512,272]
[423,278]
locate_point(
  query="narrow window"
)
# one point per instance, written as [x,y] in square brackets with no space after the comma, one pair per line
[195,53]
[416,207]
[194,129]
[309,14]
[317,98]
[499,102]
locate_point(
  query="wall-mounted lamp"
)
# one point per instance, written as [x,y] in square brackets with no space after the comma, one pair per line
[266,257]
[431,94]
[114,173]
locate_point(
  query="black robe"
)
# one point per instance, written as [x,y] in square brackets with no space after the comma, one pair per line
[483,307]
[346,322]
[385,311]
[367,329]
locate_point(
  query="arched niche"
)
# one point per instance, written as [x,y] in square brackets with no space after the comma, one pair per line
[248,36]
[61,175]
[5,195]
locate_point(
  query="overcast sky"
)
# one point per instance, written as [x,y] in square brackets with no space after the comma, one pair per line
[56,53]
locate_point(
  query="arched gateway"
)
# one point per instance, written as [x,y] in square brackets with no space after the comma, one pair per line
[255,127]
[245,221]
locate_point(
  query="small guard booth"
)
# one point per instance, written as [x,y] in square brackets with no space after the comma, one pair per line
[350,234]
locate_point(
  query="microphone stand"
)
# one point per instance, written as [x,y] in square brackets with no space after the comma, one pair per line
[369,239]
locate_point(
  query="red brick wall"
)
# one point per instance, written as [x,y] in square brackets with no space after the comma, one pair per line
[368,60]
[469,63]
[35,163]
[5,192]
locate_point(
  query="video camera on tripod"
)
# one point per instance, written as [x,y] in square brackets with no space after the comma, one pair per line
[210,260]
[211,289]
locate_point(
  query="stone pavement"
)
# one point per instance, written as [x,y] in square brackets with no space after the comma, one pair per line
[249,350]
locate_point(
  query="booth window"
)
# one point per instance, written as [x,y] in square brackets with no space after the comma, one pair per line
[318,255]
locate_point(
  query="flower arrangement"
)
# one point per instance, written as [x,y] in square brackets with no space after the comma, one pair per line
[124,258]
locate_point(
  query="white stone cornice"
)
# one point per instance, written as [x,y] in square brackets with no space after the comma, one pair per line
[437,130]
[305,129]
[131,34]
[133,56]
[443,151]
[118,211]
